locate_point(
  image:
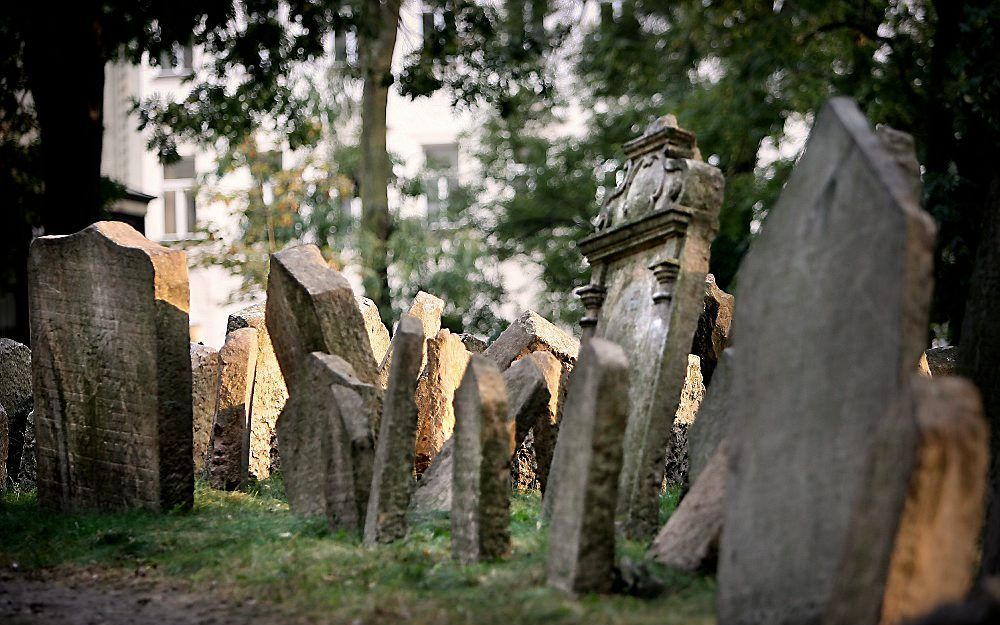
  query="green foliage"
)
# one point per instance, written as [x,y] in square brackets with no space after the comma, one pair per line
[248,546]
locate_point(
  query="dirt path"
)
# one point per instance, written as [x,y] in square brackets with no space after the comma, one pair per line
[88,598]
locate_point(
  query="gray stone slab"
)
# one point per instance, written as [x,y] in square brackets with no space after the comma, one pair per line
[824,434]
[649,259]
[427,309]
[434,490]
[111,370]
[269,392]
[205,366]
[531,333]
[484,443]
[228,467]
[378,334]
[392,477]
[473,343]
[585,471]
[442,373]
[714,414]
[16,398]
[533,386]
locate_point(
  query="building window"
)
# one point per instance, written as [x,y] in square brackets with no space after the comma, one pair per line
[182,63]
[440,178]
[180,210]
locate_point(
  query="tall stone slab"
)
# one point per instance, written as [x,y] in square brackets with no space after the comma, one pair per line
[484,443]
[229,464]
[311,308]
[16,398]
[392,476]
[588,463]
[378,334]
[693,392]
[825,433]
[649,258]
[269,392]
[111,370]
[442,374]
[534,386]
[205,367]
[427,309]
[327,444]
[714,415]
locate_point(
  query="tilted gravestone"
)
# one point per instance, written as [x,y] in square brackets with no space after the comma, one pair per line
[528,395]
[392,476]
[205,365]
[714,413]
[534,384]
[269,392]
[692,393]
[442,374]
[824,435]
[16,399]
[228,467]
[484,443]
[427,309]
[649,258]
[378,334]
[311,308]
[111,370]
[712,335]
[585,471]
[327,445]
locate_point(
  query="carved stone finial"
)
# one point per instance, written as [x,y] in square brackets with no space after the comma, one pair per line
[666,135]
[592,296]
[666,121]
[665,272]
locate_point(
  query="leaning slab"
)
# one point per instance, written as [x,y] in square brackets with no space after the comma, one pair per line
[427,309]
[269,392]
[531,333]
[111,370]
[327,444]
[16,398]
[824,434]
[712,335]
[484,442]
[445,365]
[205,365]
[392,477]
[714,415]
[588,461]
[378,334]
[311,308]
[692,394]
[649,258]
[533,385]
[228,467]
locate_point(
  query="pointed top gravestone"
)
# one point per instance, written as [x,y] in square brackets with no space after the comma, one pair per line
[843,260]
[311,308]
[649,258]
[111,370]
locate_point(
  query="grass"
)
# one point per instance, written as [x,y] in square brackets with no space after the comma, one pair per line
[247,545]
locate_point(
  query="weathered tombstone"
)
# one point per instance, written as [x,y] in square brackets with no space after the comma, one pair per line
[111,370]
[712,335]
[484,442]
[445,366]
[678,462]
[269,392]
[532,333]
[311,308]
[585,471]
[15,397]
[228,467]
[534,385]
[649,258]
[378,335]
[825,433]
[205,365]
[936,547]
[529,391]
[392,476]
[427,309]
[714,415]
[327,445]
[690,539]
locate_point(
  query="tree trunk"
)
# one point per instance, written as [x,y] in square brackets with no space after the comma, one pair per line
[375,51]
[64,61]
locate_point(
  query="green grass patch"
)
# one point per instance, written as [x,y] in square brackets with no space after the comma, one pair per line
[247,545]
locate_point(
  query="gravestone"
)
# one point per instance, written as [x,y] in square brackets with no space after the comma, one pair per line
[825,432]
[269,392]
[533,384]
[443,371]
[392,476]
[378,335]
[473,343]
[649,258]
[678,462]
[311,308]
[529,389]
[484,443]
[15,397]
[585,471]
[427,309]
[229,463]
[326,443]
[714,415]
[111,370]
[712,335]
[532,333]
[205,365]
